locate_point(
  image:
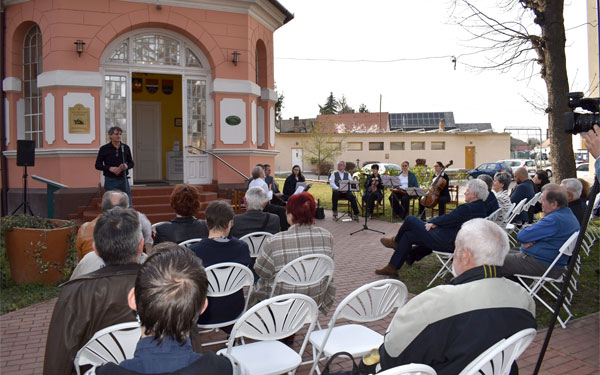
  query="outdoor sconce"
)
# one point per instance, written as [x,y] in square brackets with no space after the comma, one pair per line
[236,57]
[79,43]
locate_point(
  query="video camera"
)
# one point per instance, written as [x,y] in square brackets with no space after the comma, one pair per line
[576,122]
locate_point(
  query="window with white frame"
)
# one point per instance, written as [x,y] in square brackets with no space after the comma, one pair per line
[115,103]
[32,67]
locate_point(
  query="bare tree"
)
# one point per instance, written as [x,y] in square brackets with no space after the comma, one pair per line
[510,43]
[322,145]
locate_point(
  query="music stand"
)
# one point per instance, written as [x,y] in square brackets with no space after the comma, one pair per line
[347,186]
[365,226]
[391,182]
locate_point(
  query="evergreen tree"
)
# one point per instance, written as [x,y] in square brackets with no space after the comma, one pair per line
[363,108]
[330,107]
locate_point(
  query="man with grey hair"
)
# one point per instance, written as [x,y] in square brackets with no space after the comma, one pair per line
[448,326]
[577,203]
[541,241]
[99,299]
[336,194]
[254,219]
[491,203]
[438,234]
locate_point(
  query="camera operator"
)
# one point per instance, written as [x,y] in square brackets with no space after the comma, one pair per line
[592,142]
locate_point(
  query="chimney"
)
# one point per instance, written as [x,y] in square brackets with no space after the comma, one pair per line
[296,124]
[442,125]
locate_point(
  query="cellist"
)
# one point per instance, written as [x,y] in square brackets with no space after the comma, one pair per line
[444,194]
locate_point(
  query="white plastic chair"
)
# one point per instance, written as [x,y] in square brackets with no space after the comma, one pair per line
[305,271]
[445,259]
[494,215]
[370,302]
[224,279]
[156,225]
[256,241]
[111,344]
[534,284]
[268,321]
[410,369]
[189,242]
[498,359]
[509,227]
[533,201]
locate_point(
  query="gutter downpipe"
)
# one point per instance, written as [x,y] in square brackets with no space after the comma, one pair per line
[3,124]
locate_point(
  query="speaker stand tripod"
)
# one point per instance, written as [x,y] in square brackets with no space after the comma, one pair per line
[365,226]
[25,202]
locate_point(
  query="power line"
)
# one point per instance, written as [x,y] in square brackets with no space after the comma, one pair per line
[377,61]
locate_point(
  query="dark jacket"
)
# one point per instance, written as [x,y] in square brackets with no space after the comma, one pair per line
[86,305]
[523,190]
[111,156]
[254,221]
[369,182]
[578,207]
[448,225]
[208,364]
[289,186]
[439,329]
[222,309]
[491,203]
[181,229]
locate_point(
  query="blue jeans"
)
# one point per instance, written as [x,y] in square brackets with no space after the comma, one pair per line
[118,183]
[413,232]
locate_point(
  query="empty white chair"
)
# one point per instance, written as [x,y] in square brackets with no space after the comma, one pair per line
[534,284]
[410,369]
[189,242]
[111,344]
[256,241]
[498,359]
[225,279]
[370,302]
[268,321]
[445,259]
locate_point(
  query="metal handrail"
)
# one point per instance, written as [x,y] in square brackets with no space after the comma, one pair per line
[220,159]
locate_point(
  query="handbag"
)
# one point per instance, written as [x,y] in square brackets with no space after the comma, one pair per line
[320,212]
[355,370]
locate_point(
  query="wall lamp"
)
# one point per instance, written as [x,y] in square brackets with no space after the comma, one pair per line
[79,43]
[236,57]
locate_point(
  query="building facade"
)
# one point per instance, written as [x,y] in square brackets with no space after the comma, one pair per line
[171,74]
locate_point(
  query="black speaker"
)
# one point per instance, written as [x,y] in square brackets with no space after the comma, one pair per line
[25,153]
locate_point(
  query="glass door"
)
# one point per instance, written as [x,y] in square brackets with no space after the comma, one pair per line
[197,166]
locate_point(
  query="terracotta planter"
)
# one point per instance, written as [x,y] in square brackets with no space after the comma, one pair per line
[23,246]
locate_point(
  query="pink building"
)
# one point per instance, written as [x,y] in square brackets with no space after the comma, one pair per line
[172,74]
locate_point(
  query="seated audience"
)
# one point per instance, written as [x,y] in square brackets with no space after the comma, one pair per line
[373,190]
[501,183]
[448,326]
[336,194]
[524,190]
[491,203]
[85,236]
[438,234]
[258,175]
[273,186]
[98,299]
[169,295]
[303,238]
[218,248]
[289,186]
[577,203]
[399,199]
[539,180]
[185,200]
[541,241]
[254,219]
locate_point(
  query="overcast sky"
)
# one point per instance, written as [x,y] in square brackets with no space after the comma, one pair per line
[393,30]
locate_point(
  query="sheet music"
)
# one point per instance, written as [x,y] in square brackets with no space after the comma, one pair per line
[348,185]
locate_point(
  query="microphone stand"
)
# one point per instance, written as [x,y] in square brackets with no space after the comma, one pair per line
[365,226]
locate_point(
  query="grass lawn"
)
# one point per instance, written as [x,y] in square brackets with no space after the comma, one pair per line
[15,297]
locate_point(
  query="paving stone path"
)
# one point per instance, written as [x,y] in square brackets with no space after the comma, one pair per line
[575,350]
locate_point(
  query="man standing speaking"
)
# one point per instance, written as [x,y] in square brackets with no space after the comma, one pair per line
[114,160]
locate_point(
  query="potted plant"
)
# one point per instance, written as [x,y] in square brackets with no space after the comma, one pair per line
[36,247]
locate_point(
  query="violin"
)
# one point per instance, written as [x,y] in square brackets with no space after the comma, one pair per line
[433,194]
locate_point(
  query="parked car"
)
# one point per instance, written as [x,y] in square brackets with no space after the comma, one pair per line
[583,170]
[490,169]
[515,164]
[384,168]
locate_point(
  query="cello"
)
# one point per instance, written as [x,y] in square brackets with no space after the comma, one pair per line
[430,199]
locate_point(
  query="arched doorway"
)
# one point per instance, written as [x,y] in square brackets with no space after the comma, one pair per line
[155,88]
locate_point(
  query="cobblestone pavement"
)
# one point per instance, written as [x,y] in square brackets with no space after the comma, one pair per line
[574,350]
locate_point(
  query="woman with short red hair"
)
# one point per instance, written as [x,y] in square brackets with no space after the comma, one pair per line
[185,201]
[302,238]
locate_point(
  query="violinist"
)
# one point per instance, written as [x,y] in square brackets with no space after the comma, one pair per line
[444,196]
[399,199]
[373,189]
